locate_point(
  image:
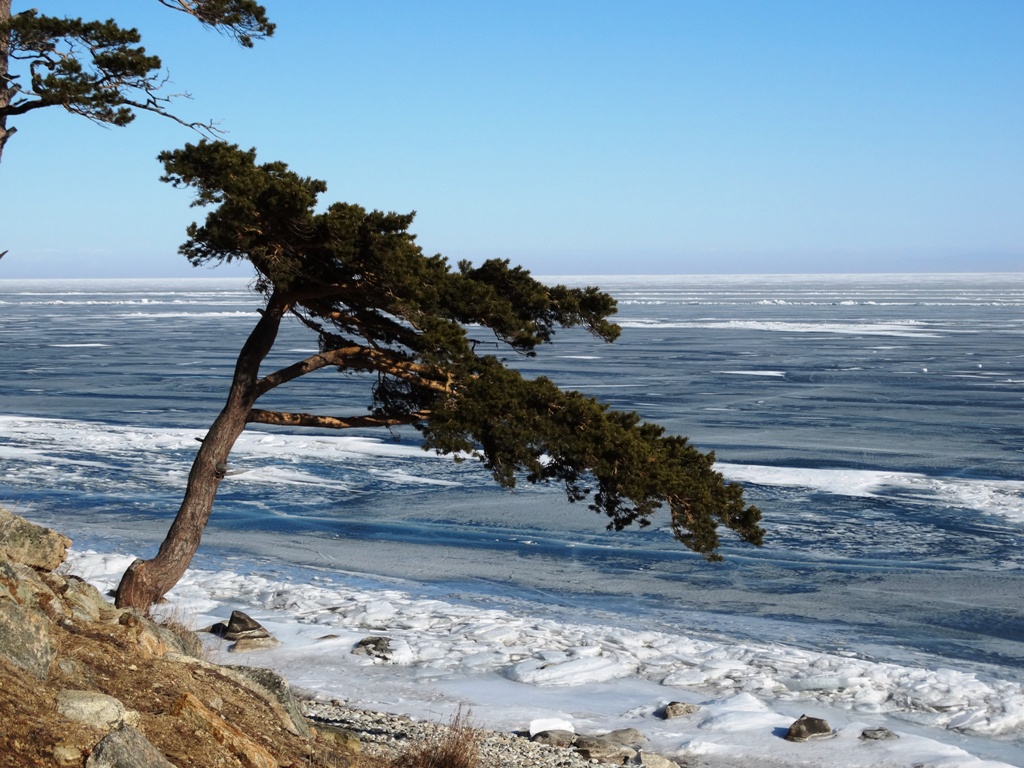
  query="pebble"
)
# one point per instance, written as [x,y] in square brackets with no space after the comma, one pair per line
[386,734]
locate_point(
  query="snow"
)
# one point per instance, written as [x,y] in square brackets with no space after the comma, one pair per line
[515,671]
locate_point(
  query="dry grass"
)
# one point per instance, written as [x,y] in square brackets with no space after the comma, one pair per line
[457,746]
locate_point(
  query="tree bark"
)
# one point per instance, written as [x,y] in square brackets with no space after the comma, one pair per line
[145,582]
[5,80]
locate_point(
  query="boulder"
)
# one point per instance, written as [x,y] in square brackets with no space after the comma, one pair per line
[246,633]
[33,545]
[596,748]
[25,639]
[155,641]
[623,736]
[806,728]
[550,724]
[247,644]
[96,710]
[376,647]
[556,738]
[676,709]
[648,760]
[126,747]
[84,601]
[878,734]
[242,625]
[280,693]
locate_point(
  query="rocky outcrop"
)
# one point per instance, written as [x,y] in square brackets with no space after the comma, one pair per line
[25,639]
[85,683]
[279,693]
[199,718]
[33,545]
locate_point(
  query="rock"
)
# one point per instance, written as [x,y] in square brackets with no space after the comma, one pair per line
[878,734]
[377,647]
[280,693]
[25,639]
[648,760]
[806,728]
[550,724]
[30,544]
[247,634]
[64,755]
[623,736]
[155,641]
[97,710]
[247,644]
[241,625]
[126,747]
[597,748]
[73,597]
[343,738]
[556,738]
[197,716]
[84,601]
[678,709]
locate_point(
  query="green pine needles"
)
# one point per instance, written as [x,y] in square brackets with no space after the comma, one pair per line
[379,305]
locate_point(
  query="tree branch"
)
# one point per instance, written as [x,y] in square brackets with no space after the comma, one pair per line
[360,359]
[280,418]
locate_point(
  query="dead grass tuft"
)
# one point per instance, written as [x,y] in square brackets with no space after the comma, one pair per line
[457,746]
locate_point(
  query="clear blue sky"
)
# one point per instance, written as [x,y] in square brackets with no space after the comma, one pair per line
[572,136]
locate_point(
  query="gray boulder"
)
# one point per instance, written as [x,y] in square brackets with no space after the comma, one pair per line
[279,690]
[678,709]
[377,647]
[97,710]
[559,739]
[878,734]
[33,545]
[650,760]
[25,639]
[247,633]
[596,748]
[126,747]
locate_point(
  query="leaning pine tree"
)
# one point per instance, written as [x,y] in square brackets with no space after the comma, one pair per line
[381,307]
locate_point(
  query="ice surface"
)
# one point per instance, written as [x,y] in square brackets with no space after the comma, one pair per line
[888,593]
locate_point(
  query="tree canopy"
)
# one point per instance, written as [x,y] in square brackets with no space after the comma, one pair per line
[99,69]
[379,305]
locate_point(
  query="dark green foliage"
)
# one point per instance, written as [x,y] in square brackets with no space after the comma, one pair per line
[98,69]
[380,305]
[97,87]
[244,20]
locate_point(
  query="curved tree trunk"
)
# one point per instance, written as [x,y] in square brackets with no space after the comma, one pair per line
[146,581]
[5,80]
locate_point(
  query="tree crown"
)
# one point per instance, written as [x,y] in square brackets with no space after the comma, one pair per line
[99,69]
[379,304]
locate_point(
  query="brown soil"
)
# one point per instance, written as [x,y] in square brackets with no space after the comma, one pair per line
[103,657]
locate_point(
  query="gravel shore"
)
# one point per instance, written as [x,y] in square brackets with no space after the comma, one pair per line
[387,734]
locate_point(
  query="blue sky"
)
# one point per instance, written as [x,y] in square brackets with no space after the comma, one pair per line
[573,137]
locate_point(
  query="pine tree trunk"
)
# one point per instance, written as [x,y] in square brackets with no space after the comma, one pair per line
[145,582]
[5,83]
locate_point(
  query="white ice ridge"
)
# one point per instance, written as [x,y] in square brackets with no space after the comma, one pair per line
[901,328]
[435,639]
[999,497]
